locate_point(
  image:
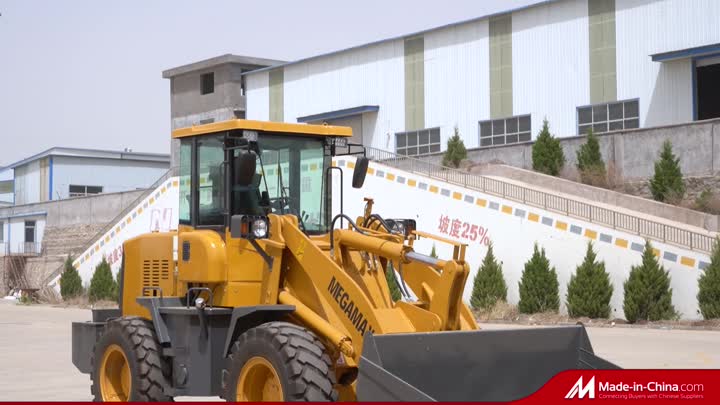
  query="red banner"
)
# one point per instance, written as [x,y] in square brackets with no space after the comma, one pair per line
[639,386]
[615,386]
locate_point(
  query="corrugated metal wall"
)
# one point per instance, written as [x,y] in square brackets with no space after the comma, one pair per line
[550,70]
[457,80]
[646,27]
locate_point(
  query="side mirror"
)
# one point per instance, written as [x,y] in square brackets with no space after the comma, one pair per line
[361,166]
[244,168]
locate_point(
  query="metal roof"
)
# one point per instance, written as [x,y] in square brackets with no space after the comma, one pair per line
[247,61]
[345,112]
[686,53]
[475,19]
[93,153]
[266,126]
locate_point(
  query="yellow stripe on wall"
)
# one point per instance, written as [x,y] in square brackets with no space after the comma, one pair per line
[481,202]
[433,189]
[507,209]
[411,183]
[590,234]
[688,261]
[370,171]
[390,176]
[561,225]
[457,195]
[621,242]
[534,217]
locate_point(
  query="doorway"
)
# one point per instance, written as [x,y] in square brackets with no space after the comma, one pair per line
[707,76]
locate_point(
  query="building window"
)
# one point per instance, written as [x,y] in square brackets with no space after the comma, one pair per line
[2,231]
[29,231]
[81,191]
[421,142]
[505,131]
[207,83]
[609,116]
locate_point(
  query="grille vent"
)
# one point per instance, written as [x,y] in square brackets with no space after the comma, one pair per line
[155,271]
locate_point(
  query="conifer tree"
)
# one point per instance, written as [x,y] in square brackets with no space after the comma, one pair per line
[589,290]
[709,283]
[648,295]
[539,288]
[547,154]
[590,163]
[102,284]
[456,150]
[489,285]
[433,253]
[70,281]
[392,282]
[667,183]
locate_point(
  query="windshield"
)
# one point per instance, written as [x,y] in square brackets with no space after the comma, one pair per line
[292,170]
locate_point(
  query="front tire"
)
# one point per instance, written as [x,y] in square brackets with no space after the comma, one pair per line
[127,364]
[278,361]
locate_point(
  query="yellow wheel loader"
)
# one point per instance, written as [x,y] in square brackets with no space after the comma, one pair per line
[262,294]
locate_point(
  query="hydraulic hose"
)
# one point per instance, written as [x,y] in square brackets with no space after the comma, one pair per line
[332,228]
[375,217]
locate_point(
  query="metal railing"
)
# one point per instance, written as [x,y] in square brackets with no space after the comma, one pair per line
[28,249]
[131,206]
[573,208]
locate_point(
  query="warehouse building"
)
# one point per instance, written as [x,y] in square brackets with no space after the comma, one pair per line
[608,65]
[31,185]
[59,173]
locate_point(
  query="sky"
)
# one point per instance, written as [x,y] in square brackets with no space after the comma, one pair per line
[87,74]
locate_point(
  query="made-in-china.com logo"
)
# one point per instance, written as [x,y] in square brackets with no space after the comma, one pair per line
[581,390]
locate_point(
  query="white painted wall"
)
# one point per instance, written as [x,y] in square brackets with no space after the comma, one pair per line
[550,70]
[157,212]
[513,236]
[6,182]
[14,233]
[258,96]
[113,175]
[27,183]
[4,240]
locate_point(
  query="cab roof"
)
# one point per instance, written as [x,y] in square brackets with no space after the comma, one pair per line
[264,126]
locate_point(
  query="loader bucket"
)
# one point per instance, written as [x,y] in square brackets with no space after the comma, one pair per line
[494,365]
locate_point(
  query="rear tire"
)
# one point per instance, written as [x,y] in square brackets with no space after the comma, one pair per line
[278,353]
[127,364]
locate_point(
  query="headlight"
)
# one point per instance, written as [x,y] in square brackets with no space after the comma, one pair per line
[259,228]
[249,226]
[403,227]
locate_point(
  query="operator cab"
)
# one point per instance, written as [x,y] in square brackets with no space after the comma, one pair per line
[251,168]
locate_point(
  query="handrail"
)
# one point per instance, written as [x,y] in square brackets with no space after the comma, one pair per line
[132,205]
[579,209]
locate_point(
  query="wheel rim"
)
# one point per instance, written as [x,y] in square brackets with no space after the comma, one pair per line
[258,381]
[115,378]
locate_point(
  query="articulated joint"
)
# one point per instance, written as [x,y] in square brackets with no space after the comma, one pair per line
[346,347]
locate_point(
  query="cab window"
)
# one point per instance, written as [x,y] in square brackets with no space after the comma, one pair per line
[211,180]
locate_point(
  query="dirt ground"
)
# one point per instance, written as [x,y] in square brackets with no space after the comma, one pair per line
[35,349]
